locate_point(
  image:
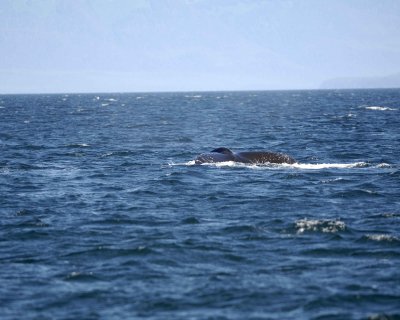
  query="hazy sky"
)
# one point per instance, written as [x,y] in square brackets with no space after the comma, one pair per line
[175,45]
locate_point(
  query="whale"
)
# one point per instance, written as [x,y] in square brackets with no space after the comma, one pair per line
[250,157]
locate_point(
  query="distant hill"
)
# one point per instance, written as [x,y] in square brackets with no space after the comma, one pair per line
[391,81]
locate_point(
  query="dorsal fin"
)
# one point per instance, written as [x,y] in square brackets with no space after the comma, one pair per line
[222,150]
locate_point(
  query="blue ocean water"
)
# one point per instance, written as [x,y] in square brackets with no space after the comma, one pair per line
[105,216]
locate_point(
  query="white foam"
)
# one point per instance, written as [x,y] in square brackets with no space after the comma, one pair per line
[58,171]
[380,108]
[232,164]
[391,215]
[4,171]
[382,237]
[189,163]
[332,180]
[215,164]
[383,165]
[105,104]
[107,154]
[330,226]
[318,166]
[226,164]
[302,166]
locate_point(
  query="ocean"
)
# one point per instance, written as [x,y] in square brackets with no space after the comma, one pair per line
[104,214]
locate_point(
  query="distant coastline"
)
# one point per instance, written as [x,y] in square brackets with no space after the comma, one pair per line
[386,82]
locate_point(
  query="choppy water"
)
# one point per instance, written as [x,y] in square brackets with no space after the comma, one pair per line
[104,215]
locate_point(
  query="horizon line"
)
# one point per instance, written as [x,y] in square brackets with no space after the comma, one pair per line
[192,91]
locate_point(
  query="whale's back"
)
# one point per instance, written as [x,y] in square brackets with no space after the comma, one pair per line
[264,157]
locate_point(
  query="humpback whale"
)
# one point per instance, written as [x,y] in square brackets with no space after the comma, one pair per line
[252,157]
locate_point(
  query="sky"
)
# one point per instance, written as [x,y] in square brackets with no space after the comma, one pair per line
[55,46]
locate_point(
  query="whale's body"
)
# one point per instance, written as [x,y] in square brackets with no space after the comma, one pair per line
[251,157]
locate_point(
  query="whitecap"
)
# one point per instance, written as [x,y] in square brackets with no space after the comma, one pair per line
[105,104]
[58,171]
[391,215]
[379,108]
[76,274]
[332,180]
[111,99]
[382,237]
[4,171]
[83,145]
[383,165]
[107,154]
[330,226]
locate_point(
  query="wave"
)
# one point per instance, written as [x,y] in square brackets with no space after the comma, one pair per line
[382,237]
[331,226]
[379,108]
[303,166]
[77,145]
